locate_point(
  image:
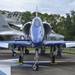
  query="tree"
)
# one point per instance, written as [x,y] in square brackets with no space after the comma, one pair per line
[62,25]
[73,23]
[68,28]
[26,17]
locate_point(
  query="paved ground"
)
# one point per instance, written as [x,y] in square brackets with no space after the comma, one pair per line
[63,68]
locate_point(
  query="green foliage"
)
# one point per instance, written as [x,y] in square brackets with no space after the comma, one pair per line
[26,16]
[3,11]
[60,24]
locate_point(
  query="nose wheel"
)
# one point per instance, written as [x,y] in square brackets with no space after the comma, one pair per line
[35,67]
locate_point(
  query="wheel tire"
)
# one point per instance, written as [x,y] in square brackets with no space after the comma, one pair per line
[35,67]
[42,52]
[26,51]
[15,54]
[20,59]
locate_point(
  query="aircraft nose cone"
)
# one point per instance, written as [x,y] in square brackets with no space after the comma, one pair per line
[36,41]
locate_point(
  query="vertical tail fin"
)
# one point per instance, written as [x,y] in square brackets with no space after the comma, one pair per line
[3,24]
[36,11]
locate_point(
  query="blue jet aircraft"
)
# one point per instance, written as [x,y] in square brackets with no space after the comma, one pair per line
[37,32]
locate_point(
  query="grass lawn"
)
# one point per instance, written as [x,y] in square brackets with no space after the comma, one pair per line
[64,51]
[48,49]
[69,51]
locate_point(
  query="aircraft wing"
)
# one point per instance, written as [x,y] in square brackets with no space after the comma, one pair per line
[6,43]
[48,43]
[66,43]
[17,42]
[28,43]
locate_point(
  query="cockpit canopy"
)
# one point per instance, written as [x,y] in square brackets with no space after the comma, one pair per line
[37,22]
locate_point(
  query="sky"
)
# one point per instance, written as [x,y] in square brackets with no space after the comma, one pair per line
[44,6]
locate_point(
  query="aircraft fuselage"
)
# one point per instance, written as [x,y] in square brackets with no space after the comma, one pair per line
[37,31]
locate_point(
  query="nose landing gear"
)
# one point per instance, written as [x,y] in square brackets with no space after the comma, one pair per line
[35,66]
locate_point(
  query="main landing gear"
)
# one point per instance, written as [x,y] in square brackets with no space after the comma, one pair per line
[13,52]
[42,51]
[59,52]
[35,66]
[52,55]
[26,50]
[21,54]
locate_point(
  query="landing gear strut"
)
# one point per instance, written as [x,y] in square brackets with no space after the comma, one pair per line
[42,52]
[59,53]
[35,67]
[26,50]
[52,54]
[21,54]
[13,52]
